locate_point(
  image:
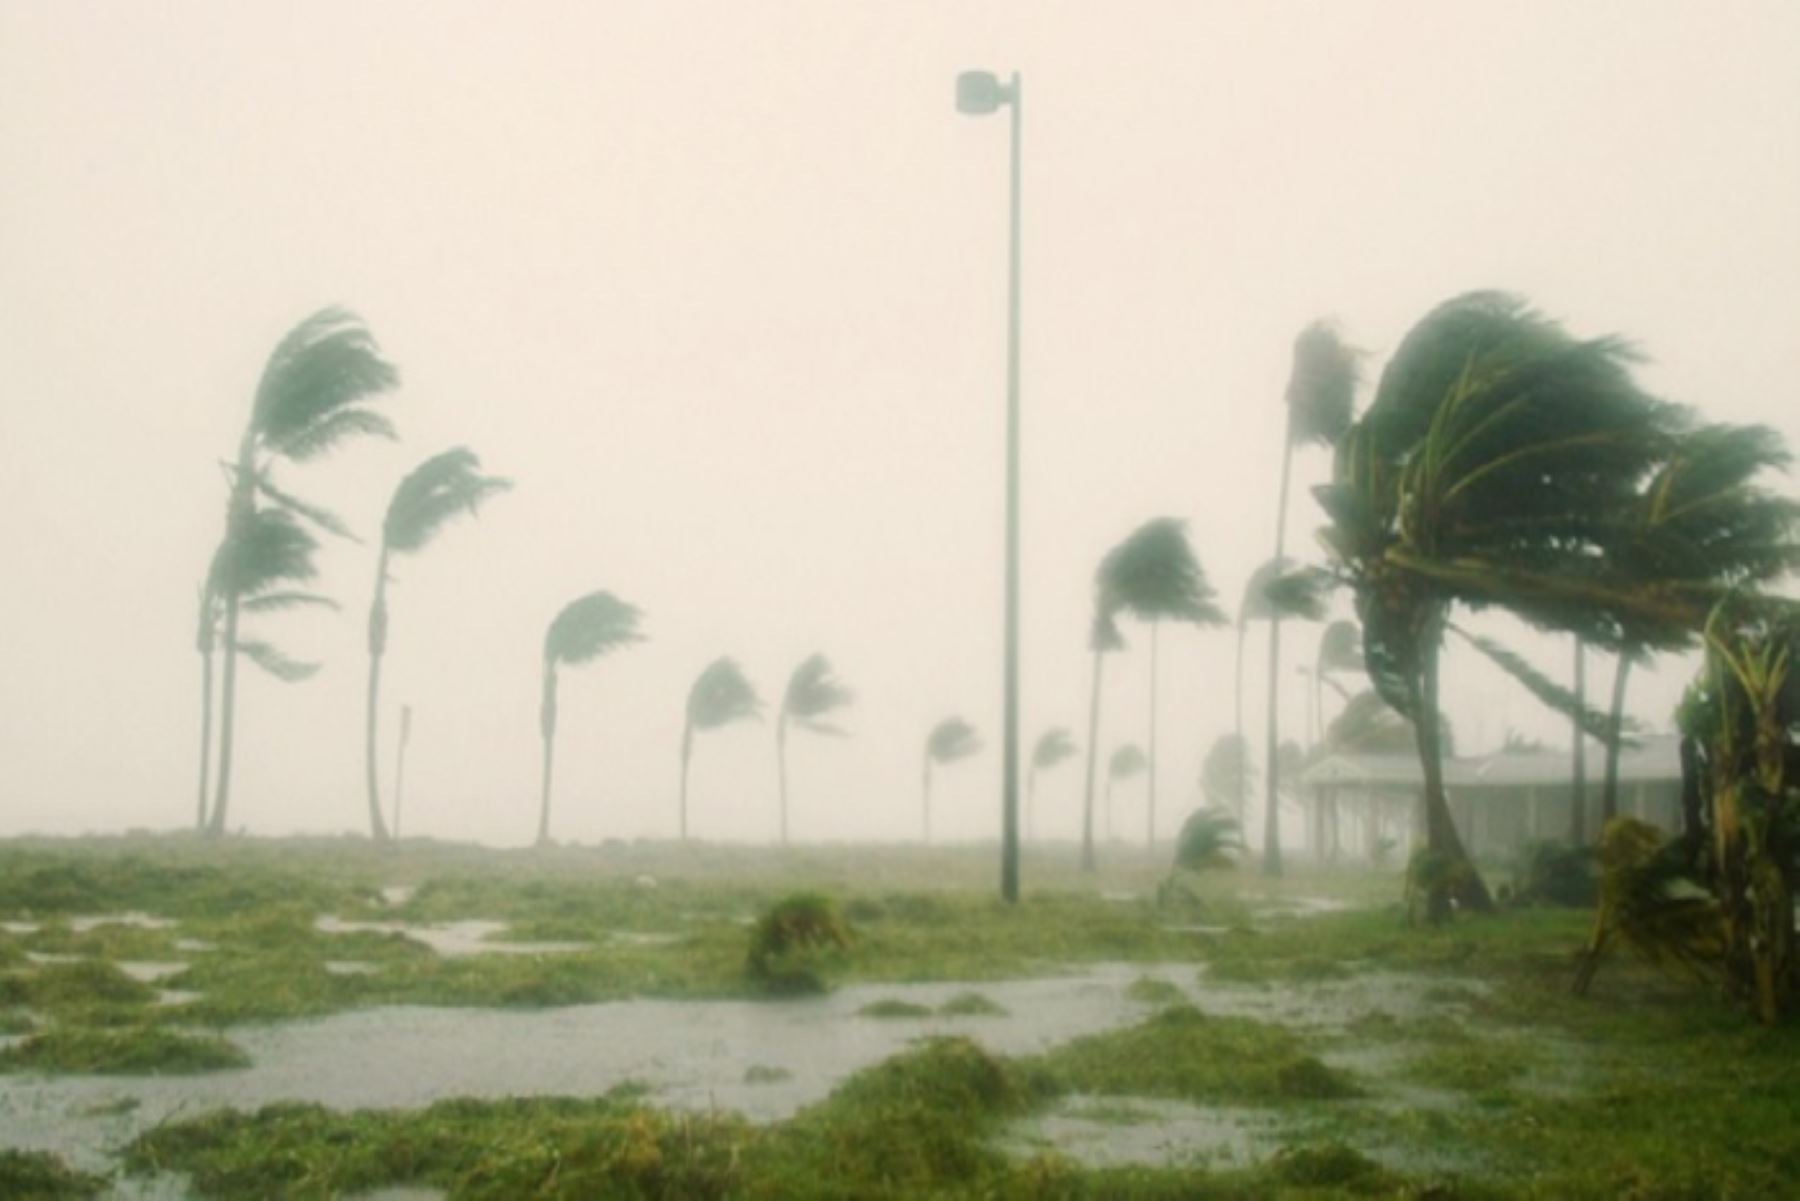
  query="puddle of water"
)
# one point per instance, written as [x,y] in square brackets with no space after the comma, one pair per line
[1104,1132]
[143,921]
[52,957]
[20,927]
[350,967]
[398,894]
[149,972]
[474,936]
[176,996]
[643,938]
[195,946]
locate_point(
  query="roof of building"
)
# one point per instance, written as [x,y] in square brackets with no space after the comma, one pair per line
[1656,757]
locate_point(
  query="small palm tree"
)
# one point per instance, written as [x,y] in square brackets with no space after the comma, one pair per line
[1320,398]
[268,554]
[442,487]
[1053,746]
[721,695]
[1224,771]
[1127,761]
[587,628]
[1153,574]
[950,740]
[312,397]
[1209,841]
[813,693]
[1103,636]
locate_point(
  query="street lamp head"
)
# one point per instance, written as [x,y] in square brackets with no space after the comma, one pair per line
[980,92]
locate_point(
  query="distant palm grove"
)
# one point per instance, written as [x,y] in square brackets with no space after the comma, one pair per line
[1497,463]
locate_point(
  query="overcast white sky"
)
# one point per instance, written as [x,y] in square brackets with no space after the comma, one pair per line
[721,285]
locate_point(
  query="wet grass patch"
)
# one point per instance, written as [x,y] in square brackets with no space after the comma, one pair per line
[123,1050]
[40,1176]
[971,1005]
[893,1007]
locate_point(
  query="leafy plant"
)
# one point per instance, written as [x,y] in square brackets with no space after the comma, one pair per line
[791,943]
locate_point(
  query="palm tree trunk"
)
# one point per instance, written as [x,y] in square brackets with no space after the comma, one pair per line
[400,764]
[1093,751]
[1578,784]
[1150,794]
[1271,806]
[206,707]
[925,811]
[1461,882]
[377,646]
[781,770]
[1237,720]
[242,509]
[547,728]
[1615,722]
[687,753]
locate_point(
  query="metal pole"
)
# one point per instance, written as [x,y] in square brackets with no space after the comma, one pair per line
[1009,860]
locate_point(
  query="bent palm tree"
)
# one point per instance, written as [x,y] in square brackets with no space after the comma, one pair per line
[721,695]
[1256,605]
[950,740]
[311,398]
[1126,761]
[587,628]
[1053,746]
[812,694]
[1153,574]
[1483,473]
[1103,636]
[437,490]
[1320,397]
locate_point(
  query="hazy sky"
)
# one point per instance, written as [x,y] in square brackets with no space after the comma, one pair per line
[722,287]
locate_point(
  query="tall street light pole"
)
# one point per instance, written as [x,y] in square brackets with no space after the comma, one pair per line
[979,93]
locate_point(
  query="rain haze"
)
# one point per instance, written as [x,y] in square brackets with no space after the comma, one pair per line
[722,289]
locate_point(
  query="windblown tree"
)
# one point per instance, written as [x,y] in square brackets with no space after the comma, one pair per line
[263,563]
[951,740]
[313,396]
[1704,518]
[1340,653]
[1103,636]
[1052,747]
[587,627]
[1320,398]
[1482,474]
[1154,576]
[1127,761]
[721,694]
[1223,774]
[1255,606]
[437,490]
[813,694]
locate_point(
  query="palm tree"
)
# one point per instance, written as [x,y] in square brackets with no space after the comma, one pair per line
[311,397]
[1340,651]
[1103,636]
[1321,395]
[437,490]
[266,556]
[587,628]
[812,694]
[1255,606]
[1153,574]
[1483,473]
[1223,772]
[721,695]
[949,740]
[1701,517]
[1053,746]
[1126,762]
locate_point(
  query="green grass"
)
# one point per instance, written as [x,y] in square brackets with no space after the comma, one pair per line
[40,1176]
[125,1051]
[971,1005]
[894,1007]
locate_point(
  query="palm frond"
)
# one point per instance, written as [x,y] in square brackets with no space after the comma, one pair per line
[1321,391]
[271,660]
[950,740]
[1368,725]
[1126,761]
[812,692]
[440,488]
[1257,605]
[590,626]
[280,602]
[1594,722]
[721,694]
[265,549]
[326,364]
[1154,574]
[1053,746]
[324,518]
[327,432]
[1302,594]
[1210,840]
